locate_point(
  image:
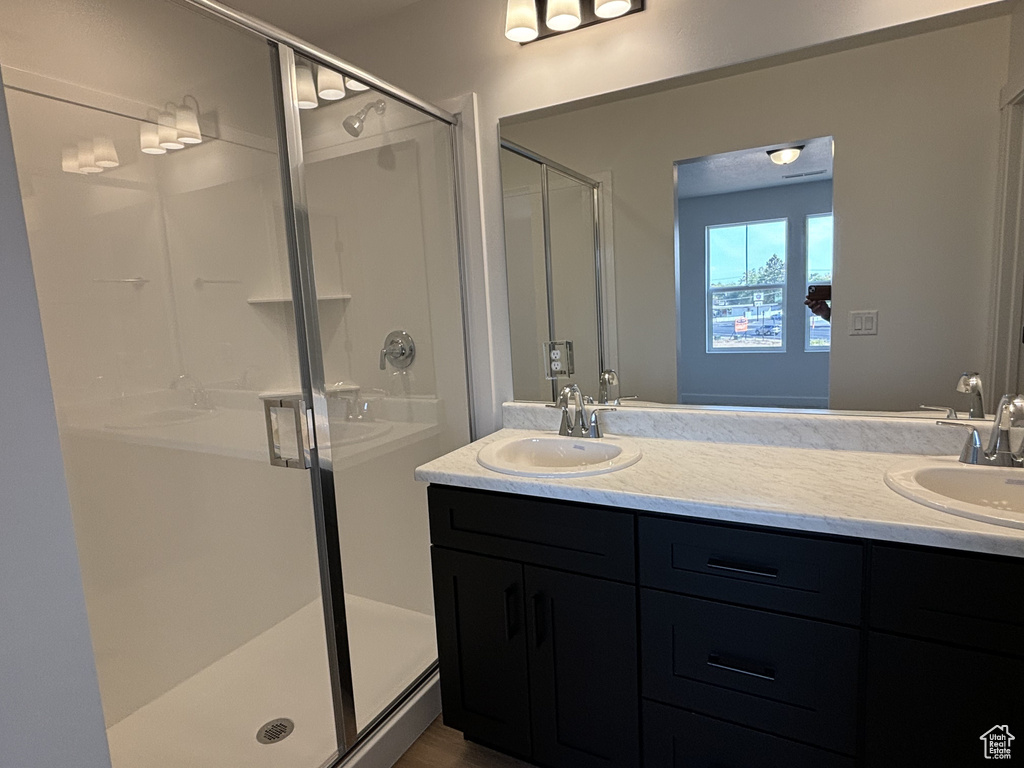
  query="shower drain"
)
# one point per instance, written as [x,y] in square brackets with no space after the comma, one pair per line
[275,731]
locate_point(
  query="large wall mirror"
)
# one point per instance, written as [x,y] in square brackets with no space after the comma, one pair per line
[691,301]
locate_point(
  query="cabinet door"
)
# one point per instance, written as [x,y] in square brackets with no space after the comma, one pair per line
[931,704]
[582,641]
[481,646]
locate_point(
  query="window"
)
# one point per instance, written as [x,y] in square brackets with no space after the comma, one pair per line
[746,287]
[818,336]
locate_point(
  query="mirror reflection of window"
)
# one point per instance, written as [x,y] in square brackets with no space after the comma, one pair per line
[818,337]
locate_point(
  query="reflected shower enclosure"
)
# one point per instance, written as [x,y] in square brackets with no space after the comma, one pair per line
[224,235]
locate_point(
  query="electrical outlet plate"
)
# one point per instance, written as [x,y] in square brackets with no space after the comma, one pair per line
[558,360]
[864,322]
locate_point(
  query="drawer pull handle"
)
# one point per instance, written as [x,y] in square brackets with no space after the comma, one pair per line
[750,570]
[716,661]
[511,612]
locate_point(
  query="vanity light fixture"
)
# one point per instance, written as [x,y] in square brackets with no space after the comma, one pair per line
[167,131]
[186,122]
[521,21]
[104,153]
[522,17]
[149,139]
[785,156]
[356,85]
[87,158]
[69,160]
[304,88]
[563,15]
[330,85]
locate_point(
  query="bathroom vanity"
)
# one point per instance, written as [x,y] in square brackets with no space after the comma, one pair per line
[794,617]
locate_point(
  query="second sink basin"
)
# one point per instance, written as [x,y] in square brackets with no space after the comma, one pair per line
[992,494]
[556,456]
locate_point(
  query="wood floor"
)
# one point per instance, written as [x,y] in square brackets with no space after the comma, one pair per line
[441,747]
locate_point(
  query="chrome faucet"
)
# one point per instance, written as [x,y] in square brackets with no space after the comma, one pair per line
[1001,451]
[608,385]
[579,424]
[970,383]
[200,397]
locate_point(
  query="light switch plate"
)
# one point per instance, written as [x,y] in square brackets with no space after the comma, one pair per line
[864,322]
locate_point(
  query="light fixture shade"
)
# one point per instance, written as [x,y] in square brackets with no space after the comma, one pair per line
[521,21]
[785,156]
[186,123]
[563,15]
[104,152]
[330,84]
[355,85]
[167,131]
[69,160]
[609,9]
[149,139]
[87,158]
[305,89]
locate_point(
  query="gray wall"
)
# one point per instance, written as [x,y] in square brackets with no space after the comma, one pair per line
[50,712]
[790,378]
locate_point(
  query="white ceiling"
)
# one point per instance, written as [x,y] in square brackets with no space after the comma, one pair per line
[752,169]
[318,21]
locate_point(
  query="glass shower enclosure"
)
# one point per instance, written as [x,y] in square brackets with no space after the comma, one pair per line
[247,263]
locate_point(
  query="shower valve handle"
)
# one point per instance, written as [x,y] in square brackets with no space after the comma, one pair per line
[399,348]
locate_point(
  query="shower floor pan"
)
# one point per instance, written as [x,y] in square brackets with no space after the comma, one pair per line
[211,719]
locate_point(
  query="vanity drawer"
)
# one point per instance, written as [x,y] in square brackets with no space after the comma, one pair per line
[678,739]
[792,677]
[961,599]
[596,541]
[791,574]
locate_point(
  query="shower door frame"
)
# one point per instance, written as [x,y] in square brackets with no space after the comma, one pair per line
[311,363]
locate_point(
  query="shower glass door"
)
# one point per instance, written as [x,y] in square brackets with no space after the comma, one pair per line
[147,145]
[379,203]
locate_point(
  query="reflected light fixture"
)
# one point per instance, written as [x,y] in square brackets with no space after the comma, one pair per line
[355,85]
[563,15]
[305,90]
[785,156]
[69,160]
[521,21]
[87,158]
[186,123]
[330,85]
[149,139]
[104,153]
[167,131]
[609,9]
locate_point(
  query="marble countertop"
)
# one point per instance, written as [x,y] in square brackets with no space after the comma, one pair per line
[840,492]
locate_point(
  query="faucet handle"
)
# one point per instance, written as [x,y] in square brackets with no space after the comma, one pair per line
[971,452]
[595,421]
[950,412]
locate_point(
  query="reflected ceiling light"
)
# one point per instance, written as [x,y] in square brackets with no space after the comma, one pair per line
[186,124]
[563,15]
[69,160]
[609,9]
[167,131]
[305,90]
[87,158]
[330,84]
[521,21]
[355,85]
[149,139]
[785,156]
[104,153]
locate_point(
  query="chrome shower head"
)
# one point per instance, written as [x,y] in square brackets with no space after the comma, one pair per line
[354,124]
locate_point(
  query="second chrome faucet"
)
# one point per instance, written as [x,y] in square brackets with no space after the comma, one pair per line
[1005,448]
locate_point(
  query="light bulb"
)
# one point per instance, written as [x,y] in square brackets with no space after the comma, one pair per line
[785,156]
[305,90]
[521,21]
[104,152]
[563,15]
[87,158]
[149,139]
[609,9]
[330,84]
[167,131]
[355,85]
[69,160]
[186,124]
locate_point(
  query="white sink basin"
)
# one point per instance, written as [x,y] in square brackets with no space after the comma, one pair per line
[992,494]
[164,418]
[556,456]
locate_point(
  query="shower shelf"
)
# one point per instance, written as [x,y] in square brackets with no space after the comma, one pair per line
[288,299]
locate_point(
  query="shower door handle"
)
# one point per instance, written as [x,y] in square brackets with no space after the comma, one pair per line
[289,426]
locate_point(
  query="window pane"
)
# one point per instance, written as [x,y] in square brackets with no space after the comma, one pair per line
[747,254]
[747,319]
[819,270]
